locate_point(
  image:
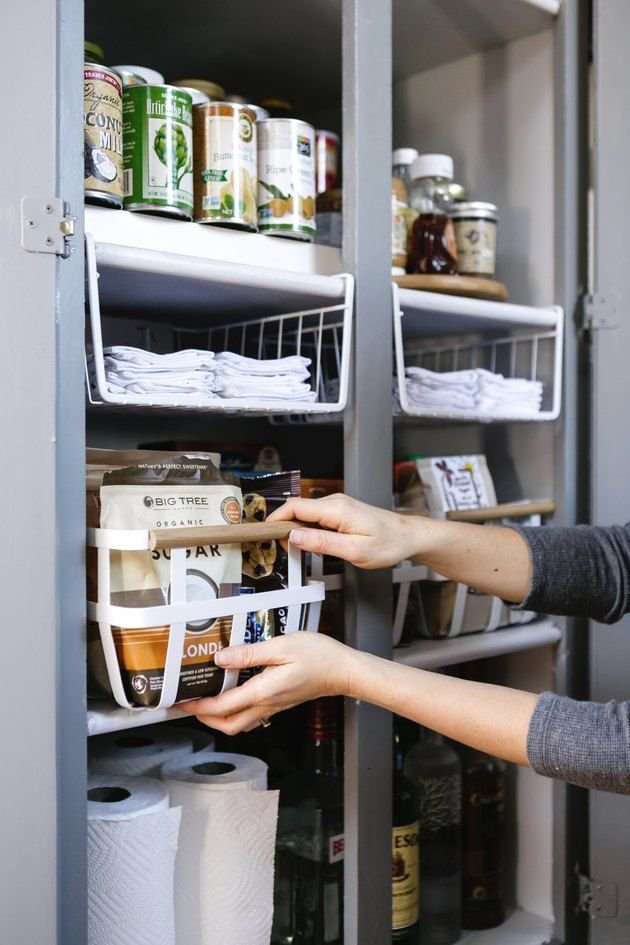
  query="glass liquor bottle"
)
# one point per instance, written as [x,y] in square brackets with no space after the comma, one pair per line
[433,250]
[310,846]
[405,846]
[483,835]
[435,769]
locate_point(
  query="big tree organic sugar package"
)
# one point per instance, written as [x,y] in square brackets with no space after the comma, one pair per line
[179,492]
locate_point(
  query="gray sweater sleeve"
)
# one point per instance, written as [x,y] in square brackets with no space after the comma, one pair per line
[580,571]
[582,742]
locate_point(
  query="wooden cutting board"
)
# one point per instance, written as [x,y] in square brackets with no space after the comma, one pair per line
[473,287]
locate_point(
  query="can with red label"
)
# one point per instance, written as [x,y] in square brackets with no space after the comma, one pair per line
[326,160]
[102,135]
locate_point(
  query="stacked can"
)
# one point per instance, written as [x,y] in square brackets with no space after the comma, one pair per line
[102,134]
[286,178]
[225,164]
[158,150]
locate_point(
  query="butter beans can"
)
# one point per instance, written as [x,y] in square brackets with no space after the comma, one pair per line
[225,156]
[286,178]
[158,150]
[102,135]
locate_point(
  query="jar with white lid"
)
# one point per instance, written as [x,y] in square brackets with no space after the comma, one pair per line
[476,234]
[433,250]
[402,159]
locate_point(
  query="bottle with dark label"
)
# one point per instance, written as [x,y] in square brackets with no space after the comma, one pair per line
[483,794]
[435,769]
[310,847]
[405,845]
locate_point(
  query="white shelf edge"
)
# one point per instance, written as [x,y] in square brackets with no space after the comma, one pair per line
[103,717]
[433,654]
[499,314]
[138,231]
[471,416]
[520,928]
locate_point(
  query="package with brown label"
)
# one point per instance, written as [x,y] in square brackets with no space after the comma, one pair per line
[180,492]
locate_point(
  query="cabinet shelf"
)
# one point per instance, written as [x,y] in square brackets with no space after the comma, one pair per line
[433,654]
[103,717]
[150,266]
[521,928]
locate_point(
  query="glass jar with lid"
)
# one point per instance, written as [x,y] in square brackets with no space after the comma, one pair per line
[475,225]
[399,227]
[433,250]
[402,159]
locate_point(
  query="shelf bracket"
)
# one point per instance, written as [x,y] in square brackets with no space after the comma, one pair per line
[597,899]
[47,226]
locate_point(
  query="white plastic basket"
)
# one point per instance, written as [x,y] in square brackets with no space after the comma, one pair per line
[322,334]
[179,612]
[525,343]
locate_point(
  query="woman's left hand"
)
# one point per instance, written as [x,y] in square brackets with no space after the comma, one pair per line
[299,667]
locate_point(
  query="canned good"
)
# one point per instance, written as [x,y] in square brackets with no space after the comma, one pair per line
[261,113]
[216,93]
[158,151]
[93,53]
[148,76]
[326,161]
[475,225]
[399,227]
[225,165]
[198,98]
[329,218]
[286,178]
[102,135]
[130,78]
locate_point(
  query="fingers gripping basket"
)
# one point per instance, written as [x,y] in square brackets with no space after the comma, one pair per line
[302,601]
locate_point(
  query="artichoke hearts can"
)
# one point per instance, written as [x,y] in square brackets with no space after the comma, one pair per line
[158,150]
[225,159]
[102,135]
[286,178]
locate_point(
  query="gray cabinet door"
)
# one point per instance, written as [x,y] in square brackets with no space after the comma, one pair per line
[610,482]
[42,701]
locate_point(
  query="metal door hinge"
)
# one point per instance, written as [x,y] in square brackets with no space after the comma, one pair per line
[598,313]
[47,226]
[598,899]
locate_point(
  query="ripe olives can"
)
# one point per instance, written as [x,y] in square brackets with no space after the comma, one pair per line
[225,165]
[286,178]
[102,135]
[158,151]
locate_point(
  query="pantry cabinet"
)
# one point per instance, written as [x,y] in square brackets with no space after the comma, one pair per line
[503,86]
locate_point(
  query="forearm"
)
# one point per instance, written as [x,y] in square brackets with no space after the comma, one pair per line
[490,718]
[494,560]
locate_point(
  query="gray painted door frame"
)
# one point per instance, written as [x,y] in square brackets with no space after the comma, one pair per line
[610,482]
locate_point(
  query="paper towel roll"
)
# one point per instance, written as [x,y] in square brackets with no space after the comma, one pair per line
[225,861]
[140,751]
[132,841]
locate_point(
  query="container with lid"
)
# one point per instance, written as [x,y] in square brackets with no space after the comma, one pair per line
[433,250]
[475,225]
[225,163]
[402,159]
[399,227]
[215,92]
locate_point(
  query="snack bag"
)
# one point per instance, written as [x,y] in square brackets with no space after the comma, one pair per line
[174,493]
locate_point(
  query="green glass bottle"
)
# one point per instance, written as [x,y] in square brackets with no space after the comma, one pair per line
[405,848]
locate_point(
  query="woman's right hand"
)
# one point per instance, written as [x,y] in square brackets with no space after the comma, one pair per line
[361,534]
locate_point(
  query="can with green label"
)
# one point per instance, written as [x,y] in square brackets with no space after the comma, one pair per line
[157,150]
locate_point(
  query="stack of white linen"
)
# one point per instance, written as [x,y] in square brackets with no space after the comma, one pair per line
[475,390]
[273,379]
[203,375]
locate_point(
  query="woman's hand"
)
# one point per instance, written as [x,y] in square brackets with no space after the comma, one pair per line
[361,534]
[300,667]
